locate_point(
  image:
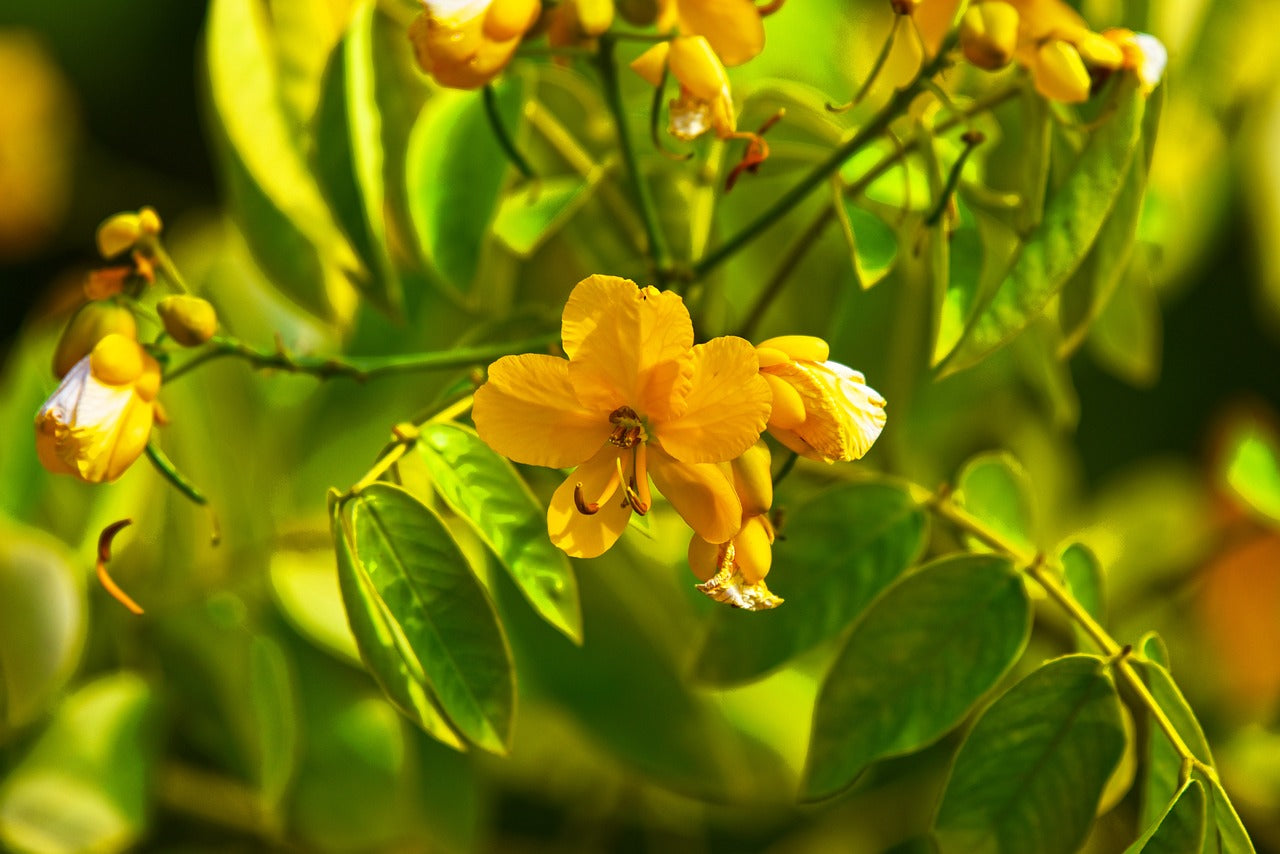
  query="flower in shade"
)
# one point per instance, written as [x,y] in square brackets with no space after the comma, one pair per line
[821,409]
[705,102]
[634,400]
[733,572]
[99,419]
[465,44]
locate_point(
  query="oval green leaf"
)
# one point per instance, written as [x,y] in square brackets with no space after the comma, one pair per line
[873,245]
[884,532]
[1180,829]
[995,488]
[918,661]
[531,215]
[1252,467]
[489,493]
[1082,573]
[456,169]
[1072,219]
[426,584]
[1031,771]
[1224,832]
[383,646]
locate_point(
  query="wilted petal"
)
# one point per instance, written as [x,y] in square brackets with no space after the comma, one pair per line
[701,493]
[728,405]
[527,411]
[589,535]
[843,415]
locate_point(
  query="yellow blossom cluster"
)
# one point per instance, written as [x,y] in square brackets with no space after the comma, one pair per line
[638,401]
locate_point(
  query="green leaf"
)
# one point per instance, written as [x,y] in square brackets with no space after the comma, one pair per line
[1252,467]
[1163,764]
[884,531]
[1072,219]
[271,694]
[529,216]
[277,201]
[85,784]
[958,291]
[1225,834]
[422,578]
[305,587]
[1031,771]
[995,488]
[488,492]
[1180,829]
[383,645]
[873,245]
[42,623]
[456,170]
[921,657]
[1084,579]
[1126,337]
[1037,125]
[349,145]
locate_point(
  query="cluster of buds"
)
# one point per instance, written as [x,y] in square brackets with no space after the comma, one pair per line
[99,419]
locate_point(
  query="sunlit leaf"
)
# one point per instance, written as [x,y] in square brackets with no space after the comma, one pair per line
[271,693]
[1180,829]
[825,588]
[1224,833]
[958,291]
[487,491]
[85,784]
[873,245]
[383,646]
[1058,730]
[306,589]
[277,201]
[1252,467]
[456,169]
[916,663]
[536,211]
[424,582]
[1126,338]
[995,488]
[1072,218]
[1084,579]
[42,623]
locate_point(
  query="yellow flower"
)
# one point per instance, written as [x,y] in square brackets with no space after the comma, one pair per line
[989,34]
[635,399]
[734,572]
[92,322]
[99,419]
[704,102]
[1053,42]
[732,27]
[1144,54]
[465,44]
[821,410]
[575,21]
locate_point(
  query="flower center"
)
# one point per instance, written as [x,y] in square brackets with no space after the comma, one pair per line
[628,430]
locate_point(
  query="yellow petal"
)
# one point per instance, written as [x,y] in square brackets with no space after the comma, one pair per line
[989,34]
[701,494]
[132,433]
[770,356]
[117,359]
[788,406]
[652,63]
[1099,52]
[630,347]
[843,415]
[1042,19]
[733,27]
[728,405]
[509,19]
[809,347]
[579,534]
[1060,74]
[696,66]
[753,549]
[753,479]
[594,16]
[527,411]
[704,558]
[933,17]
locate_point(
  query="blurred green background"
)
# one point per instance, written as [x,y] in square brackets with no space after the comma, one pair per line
[235,717]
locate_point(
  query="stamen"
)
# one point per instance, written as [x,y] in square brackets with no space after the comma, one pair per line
[640,482]
[628,429]
[104,556]
[580,502]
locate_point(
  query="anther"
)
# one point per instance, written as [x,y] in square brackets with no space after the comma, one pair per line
[580,501]
[627,427]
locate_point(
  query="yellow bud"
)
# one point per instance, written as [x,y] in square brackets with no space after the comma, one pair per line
[189,320]
[989,34]
[149,222]
[1098,51]
[806,347]
[117,360]
[697,67]
[753,549]
[1060,74]
[118,233]
[594,16]
[753,480]
[704,558]
[652,63]
[509,19]
[89,325]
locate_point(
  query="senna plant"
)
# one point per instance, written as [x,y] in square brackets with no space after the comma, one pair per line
[764,271]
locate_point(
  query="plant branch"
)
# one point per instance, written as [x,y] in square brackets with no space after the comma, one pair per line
[359,368]
[605,62]
[503,135]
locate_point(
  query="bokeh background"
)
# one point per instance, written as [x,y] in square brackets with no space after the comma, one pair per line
[104,108]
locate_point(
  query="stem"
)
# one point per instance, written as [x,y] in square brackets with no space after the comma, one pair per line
[1036,567]
[811,235]
[503,135]
[644,201]
[359,368]
[786,468]
[798,193]
[170,472]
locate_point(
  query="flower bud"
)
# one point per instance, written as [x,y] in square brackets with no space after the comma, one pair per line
[189,320]
[1060,74]
[92,322]
[989,34]
[1144,54]
[119,232]
[99,419]
[753,480]
[465,44]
